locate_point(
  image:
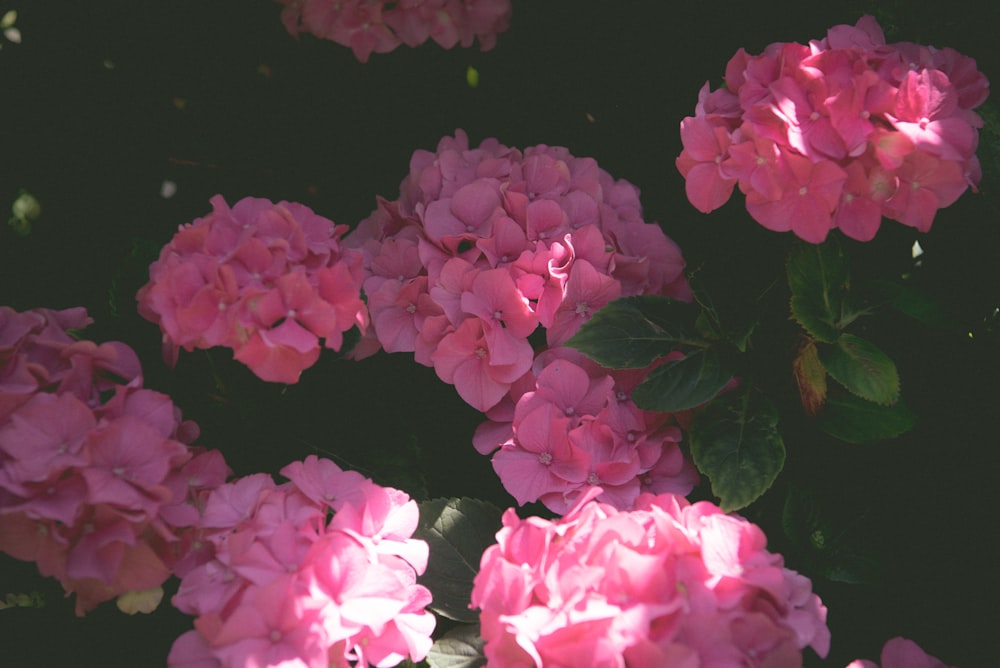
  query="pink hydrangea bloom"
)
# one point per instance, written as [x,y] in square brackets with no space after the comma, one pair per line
[668,583]
[97,483]
[379,26]
[837,134]
[485,246]
[901,653]
[287,584]
[267,280]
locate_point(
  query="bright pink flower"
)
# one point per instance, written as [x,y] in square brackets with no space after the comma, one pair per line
[465,359]
[926,184]
[268,280]
[839,104]
[585,292]
[495,299]
[926,112]
[288,584]
[642,585]
[542,460]
[901,653]
[811,193]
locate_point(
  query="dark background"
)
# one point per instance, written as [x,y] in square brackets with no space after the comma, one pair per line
[103,101]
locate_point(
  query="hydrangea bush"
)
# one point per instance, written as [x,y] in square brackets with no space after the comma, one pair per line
[530,281]
[484,247]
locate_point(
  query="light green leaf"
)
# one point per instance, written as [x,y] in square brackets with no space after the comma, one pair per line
[735,442]
[630,333]
[461,647]
[862,368]
[684,383]
[457,532]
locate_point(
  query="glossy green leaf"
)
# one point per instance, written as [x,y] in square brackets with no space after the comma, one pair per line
[736,443]
[684,383]
[855,420]
[818,277]
[457,532]
[861,367]
[630,333]
[461,647]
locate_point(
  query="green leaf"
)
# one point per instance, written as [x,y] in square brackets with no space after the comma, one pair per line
[854,420]
[457,532]
[631,332]
[684,383]
[461,647]
[818,276]
[862,368]
[735,442]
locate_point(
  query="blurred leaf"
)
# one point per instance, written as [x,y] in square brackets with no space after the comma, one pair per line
[457,532]
[472,76]
[684,383]
[818,278]
[461,647]
[827,550]
[32,600]
[740,337]
[21,227]
[810,376]
[707,325]
[851,567]
[862,368]
[921,307]
[630,333]
[735,442]
[855,420]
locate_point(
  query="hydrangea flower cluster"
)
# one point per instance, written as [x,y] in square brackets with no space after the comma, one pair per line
[267,280]
[290,585]
[901,653]
[380,26]
[667,584]
[97,483]
[485,246]
[837,134]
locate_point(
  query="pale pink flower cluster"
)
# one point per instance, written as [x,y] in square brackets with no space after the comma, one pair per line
[380,26]
[901,653]
[290,585]
[667,584]
[97,484]
[485,246]
[837,134]
[267,280]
